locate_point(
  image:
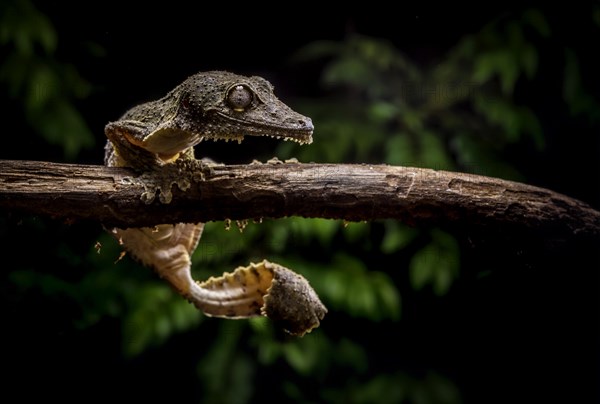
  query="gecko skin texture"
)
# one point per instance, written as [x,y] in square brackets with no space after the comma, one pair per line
[214,105]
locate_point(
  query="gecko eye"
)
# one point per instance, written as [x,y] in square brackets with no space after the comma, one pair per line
[185,101]
[239,97]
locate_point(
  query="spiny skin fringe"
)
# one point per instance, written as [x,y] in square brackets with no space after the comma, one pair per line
[277,292]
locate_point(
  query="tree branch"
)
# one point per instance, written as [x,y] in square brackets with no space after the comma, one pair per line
[337,191]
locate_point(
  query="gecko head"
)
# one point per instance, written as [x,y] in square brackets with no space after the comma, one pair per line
[220,105]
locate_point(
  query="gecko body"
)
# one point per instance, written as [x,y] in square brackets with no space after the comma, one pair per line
[214,105]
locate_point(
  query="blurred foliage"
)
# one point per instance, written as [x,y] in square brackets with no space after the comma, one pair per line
[35,79]
[379,105]
[149,311]
[458,114]
[437,263]
[398,388]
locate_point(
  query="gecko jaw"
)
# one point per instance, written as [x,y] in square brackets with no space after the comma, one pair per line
[240,138]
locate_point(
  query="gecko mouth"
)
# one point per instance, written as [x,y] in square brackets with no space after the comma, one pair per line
[299,131]
[240,138]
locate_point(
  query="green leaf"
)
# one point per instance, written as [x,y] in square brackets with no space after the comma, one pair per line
[485,67]
[421,268]
[500,112]
[399,150]
[298,358]
[514,119]
[42,87]
[412,119]
[156,313]
[226,373]
[436,264]
[355,231]
[529,60]
[498,63]
[361,299]
[434,153]
[396,237]
[352,355]
[59,123]
[579,100]
[332,286]
[268,350]
[347,285]
[48,285]
[536,19]
[322,229]
[383,111]
[349,72]
[44,32]
[305,355]
[25,27]
[508,74]
[388,297]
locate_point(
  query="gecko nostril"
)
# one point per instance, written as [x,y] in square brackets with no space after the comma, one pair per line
[306,123]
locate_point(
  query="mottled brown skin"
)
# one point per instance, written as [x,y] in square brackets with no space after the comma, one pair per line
[213,105]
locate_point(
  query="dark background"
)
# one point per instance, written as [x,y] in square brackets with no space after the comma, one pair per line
[528,334]
[132,54]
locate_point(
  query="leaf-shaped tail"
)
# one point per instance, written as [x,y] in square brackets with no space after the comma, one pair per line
[259,289]
[265,289]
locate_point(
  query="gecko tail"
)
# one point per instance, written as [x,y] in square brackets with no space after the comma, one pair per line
[266,289]
[262,289]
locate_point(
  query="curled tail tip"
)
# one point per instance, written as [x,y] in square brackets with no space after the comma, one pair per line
[263,288]
[292,302]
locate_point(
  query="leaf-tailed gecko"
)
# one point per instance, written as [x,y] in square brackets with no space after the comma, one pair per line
[215,105]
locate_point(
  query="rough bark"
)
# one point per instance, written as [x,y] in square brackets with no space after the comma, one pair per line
[336,191]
